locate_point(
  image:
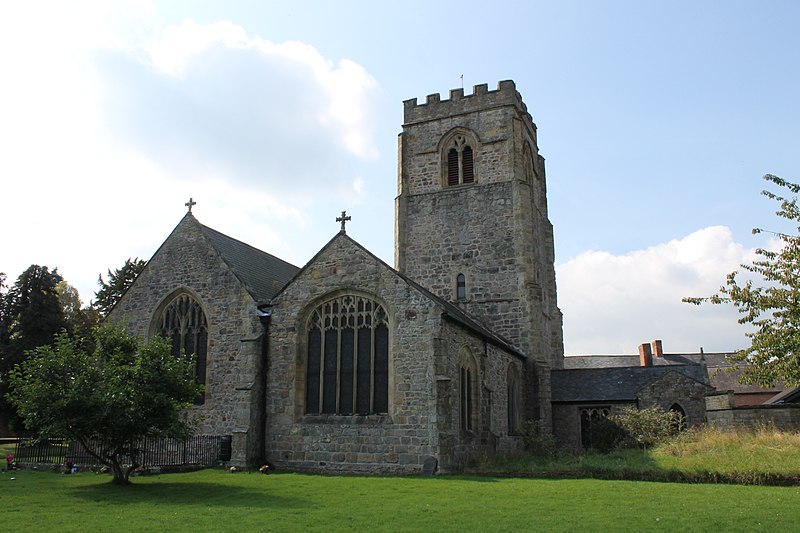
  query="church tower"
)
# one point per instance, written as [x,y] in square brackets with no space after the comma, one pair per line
[471,219]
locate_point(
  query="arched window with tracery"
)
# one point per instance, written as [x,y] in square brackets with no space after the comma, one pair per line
[594,426]
[184,323]
[459,161]
[347,369]
[679,418]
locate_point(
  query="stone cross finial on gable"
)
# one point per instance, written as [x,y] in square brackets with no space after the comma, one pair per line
[190,203]
[343,219]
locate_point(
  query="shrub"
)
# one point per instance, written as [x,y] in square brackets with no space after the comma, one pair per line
[537,439]
[647,427]
[606,435]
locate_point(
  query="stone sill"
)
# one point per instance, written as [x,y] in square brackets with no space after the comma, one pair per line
[355,420]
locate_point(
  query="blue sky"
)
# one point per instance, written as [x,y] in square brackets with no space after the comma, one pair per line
[656,120]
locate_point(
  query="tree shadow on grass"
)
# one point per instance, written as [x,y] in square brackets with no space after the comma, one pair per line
[210,494]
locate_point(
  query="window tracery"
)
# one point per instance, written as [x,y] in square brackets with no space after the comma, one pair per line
[348,357]
[679,424]
[184,323]
[592,422]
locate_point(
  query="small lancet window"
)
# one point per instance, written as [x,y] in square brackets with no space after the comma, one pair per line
[461,287]
[513,392]
[465,400]
[467,393]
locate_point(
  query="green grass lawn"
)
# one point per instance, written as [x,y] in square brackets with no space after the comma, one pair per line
[216,500]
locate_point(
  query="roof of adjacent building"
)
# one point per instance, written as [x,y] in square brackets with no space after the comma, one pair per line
[615,383]
[788,396]
[722,372]
[263,275]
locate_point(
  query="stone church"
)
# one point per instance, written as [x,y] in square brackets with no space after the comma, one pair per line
[351,365]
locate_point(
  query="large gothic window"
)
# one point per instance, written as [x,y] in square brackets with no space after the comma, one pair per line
[348,357]
[184,322]
[460,163]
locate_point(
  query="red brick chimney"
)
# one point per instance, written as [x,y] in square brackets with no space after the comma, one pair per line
[645,355]
[658,349]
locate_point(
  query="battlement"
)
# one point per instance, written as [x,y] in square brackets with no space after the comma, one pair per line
[458,103]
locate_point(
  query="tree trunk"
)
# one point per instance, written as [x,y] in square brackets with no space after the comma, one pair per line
[120,474]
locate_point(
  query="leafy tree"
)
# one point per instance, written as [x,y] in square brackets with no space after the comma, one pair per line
[5,319]
[118,282]
[773,306]
[109,399]
[69,299]
[80,320]
[5,324]
[32,316]
[34,309]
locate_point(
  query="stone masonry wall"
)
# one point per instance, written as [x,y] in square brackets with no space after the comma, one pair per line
[675,388]
[402,441]
[723,414]
[494,231]
[491,433]
[187,262]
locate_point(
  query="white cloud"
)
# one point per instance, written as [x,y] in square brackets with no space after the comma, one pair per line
[211,99]
[110,121]
[613,303]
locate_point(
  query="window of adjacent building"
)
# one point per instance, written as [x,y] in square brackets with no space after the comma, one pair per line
[460,162]
[347,370]
[679,423]
[184,323]
[595,427]
[461,287]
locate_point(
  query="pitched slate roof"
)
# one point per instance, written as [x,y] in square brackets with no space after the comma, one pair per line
[263,275]
[789,396]
[614,384]
[721,371]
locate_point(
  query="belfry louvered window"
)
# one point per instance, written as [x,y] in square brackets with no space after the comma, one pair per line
[347,369]
[184,323]
[460,162]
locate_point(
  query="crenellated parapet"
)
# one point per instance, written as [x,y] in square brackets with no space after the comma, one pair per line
[458,103]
